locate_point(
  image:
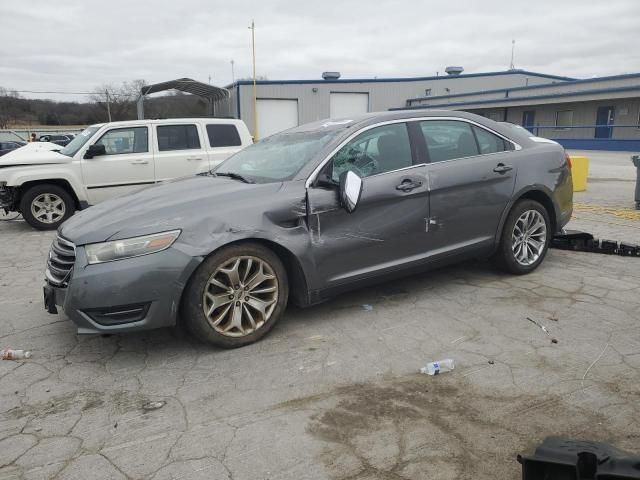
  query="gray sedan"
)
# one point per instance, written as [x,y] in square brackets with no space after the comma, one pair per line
[307,214]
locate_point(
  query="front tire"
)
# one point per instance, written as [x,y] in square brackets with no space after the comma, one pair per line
[236,296]
[525,238]
[46,206]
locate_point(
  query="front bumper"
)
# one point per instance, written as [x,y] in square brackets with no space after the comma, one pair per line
[140,293]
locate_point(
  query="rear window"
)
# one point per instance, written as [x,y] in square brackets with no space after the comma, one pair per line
[177,137]
[221,135]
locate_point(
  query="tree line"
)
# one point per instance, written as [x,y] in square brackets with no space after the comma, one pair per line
[17,111]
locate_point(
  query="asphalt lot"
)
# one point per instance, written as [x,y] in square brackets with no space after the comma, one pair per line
[333,391]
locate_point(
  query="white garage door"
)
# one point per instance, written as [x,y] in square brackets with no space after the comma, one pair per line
[275,115]
[343,105]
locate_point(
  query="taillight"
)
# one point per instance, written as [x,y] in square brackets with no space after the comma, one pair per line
[568,158]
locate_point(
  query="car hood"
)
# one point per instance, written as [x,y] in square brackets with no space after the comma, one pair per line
[39,153]
[179,204]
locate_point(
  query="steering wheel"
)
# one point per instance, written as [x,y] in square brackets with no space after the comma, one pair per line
[364,165]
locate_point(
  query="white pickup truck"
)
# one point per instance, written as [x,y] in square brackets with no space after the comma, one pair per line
[111,159]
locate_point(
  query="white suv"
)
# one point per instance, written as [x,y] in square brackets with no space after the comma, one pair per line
[111,159]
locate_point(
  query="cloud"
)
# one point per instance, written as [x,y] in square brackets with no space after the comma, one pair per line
[76,46]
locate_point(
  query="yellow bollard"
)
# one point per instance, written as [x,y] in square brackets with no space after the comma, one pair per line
[579,172]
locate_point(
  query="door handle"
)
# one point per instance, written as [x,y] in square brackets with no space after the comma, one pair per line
[194,158]
[408,185]
[502,168]
[140,162]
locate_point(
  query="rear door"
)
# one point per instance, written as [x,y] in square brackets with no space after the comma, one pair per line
[180,151]
[388,229]
[472,175]
[223,140]
[127,166]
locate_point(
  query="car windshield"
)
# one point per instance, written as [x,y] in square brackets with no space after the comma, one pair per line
[276,158]
[77,143]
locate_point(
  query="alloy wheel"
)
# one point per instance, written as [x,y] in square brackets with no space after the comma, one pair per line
[240,296]
[529,237]
[48,208]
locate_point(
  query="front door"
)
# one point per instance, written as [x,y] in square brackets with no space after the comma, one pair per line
[604,120]
[528,119]
[388,228]
[127,166]
[471,180]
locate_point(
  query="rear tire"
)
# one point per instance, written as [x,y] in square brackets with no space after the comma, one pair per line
[236,296]
[525,238]
[46,206]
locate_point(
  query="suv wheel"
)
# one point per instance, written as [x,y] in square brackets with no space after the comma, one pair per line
[525,238]
[46,206]
[236,296]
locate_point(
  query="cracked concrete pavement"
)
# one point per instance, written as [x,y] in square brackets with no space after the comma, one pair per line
[332,392]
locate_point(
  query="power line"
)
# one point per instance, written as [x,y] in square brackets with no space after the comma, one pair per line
[61,93]
[74,93]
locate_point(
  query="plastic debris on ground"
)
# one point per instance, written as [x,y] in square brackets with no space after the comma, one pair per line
[153,405]
[11,354]
[543,328]
[436,368]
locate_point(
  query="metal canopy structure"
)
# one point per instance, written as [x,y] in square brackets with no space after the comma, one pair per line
[187,85]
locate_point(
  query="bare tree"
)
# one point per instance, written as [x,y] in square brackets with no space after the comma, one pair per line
[118,102]
[9,107]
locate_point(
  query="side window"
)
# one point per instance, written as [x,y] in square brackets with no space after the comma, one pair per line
[488,142]
[379,150]
[448,139]
[120,141]
[221,135]
[177,137]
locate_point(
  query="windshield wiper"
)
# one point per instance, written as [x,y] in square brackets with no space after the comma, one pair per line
[235,176]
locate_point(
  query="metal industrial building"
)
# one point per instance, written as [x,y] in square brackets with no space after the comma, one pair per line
[283,104]
[595,113]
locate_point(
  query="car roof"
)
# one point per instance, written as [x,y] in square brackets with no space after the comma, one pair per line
[125,123]
[364,120]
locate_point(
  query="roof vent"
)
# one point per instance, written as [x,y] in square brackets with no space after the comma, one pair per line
[454,70]
[330,75]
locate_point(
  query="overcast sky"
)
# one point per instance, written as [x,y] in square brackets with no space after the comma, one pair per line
[77,45]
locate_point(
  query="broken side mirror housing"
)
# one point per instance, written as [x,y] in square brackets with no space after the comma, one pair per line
[95,150]
[350,190]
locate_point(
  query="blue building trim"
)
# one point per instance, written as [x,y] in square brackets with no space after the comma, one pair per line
[618,145]
[400,79]
[532,87]
[517,100]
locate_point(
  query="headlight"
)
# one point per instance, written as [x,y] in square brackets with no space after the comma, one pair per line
[130,247]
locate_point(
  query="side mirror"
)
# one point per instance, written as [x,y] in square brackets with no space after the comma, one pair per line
[95,150]
[350,190]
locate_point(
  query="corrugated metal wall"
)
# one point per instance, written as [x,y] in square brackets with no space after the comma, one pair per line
[314,105]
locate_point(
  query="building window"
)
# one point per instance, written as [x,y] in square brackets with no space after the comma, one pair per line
[427,92]
[564,119]
[495,116]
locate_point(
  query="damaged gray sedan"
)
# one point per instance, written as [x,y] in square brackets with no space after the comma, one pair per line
[307,214]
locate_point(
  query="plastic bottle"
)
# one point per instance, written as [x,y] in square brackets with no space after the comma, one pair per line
[10,354]
[436,368]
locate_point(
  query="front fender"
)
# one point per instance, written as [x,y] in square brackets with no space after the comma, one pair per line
[19,176]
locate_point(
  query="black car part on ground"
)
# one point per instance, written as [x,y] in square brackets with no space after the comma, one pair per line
[564,459]
[585,242]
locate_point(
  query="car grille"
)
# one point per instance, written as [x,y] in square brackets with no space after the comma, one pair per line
[62,256]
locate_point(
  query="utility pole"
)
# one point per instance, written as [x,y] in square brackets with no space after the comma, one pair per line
[233,75]
[255,94]
[106,93]
[513,49]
